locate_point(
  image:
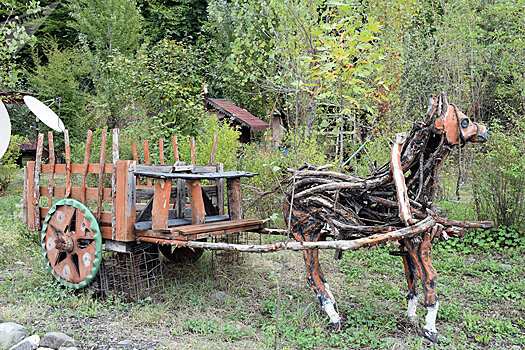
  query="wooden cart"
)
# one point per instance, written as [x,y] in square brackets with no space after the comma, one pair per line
[164,204]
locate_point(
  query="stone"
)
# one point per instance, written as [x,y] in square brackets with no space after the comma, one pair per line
[55,340]
[506,266]
[219,295]
[11,333]
[29,343]
[394,343]
[124,342]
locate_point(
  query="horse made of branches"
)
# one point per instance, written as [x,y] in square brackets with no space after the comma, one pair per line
[398,194]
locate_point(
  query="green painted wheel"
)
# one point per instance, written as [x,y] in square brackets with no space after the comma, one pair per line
[72,243]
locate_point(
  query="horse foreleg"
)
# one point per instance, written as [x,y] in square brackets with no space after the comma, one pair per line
[315,279]
[411,275]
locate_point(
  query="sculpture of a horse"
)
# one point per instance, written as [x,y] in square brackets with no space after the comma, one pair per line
[398,194]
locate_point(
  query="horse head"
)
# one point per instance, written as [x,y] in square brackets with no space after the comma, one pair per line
[448,119]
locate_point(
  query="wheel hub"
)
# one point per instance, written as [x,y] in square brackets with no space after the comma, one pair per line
[65,243]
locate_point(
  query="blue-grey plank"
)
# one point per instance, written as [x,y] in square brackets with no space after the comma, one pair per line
[204,176]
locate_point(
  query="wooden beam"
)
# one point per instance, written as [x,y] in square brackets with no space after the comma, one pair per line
[161,151]
[213,149]
[175,149]
[146,159]
[125,201]
[30,193]
[192,148]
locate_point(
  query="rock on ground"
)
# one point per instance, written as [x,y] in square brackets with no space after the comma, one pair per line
[11,333]
[55,340]
[29,343]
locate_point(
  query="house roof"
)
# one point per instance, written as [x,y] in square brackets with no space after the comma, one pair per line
[228,109]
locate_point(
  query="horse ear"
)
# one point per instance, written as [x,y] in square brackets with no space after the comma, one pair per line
[430,105]
[444,108]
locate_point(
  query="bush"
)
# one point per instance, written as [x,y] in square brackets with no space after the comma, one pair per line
[8,167]
[499,188]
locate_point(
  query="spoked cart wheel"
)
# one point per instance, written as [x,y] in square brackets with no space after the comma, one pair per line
[72,243]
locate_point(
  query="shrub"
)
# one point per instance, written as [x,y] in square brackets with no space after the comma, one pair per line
[499,188]
[8,167]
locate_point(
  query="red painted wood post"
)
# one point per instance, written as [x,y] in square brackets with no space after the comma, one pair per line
[68,164]
[114,183]
[175,149]
[30,193]
[196,202]
[125,201]
[234,198]
[192,146]
[161,204]
[213,149]
[101,173]
[38,170]
[161,151]
[146,159]
[85,168]
[51,149]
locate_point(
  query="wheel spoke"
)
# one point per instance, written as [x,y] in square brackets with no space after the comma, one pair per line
[86,258]
[49,242]
[83,226]
[67,269]
[62,218]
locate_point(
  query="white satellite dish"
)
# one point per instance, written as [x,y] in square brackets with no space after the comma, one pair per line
[5,129]
[44,113]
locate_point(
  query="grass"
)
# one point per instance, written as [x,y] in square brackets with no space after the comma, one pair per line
[234,306]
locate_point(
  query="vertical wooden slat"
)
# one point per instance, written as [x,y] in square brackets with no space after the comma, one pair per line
[196,202]
[101,173]
[161,151]
[175,149]
[114,182]
[38,169]
[135,157]
[220,190]
[213,149]
[30,194]
[146,159]
[85,168]
[161,204]
[68,164]
[51,148]
[192,147]
[234,199]
[125,201]
[24,198]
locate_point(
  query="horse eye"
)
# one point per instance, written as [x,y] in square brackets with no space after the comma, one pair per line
[464,123]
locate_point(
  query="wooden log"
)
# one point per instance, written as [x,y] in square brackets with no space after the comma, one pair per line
[114,182]
[24,198]
[102,161]
[125,210]
[234,193]
[196,202]
[192,148]
[399,180]
[85,169]
[147,159]
[161,204]
[175,149]
[161,151]
[213,149]
[51,149]
[36,184]
[405,232]
[68,163]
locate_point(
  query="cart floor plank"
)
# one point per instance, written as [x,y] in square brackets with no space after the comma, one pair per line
[147,225]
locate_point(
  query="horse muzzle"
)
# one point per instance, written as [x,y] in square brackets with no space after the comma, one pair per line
[482,135]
